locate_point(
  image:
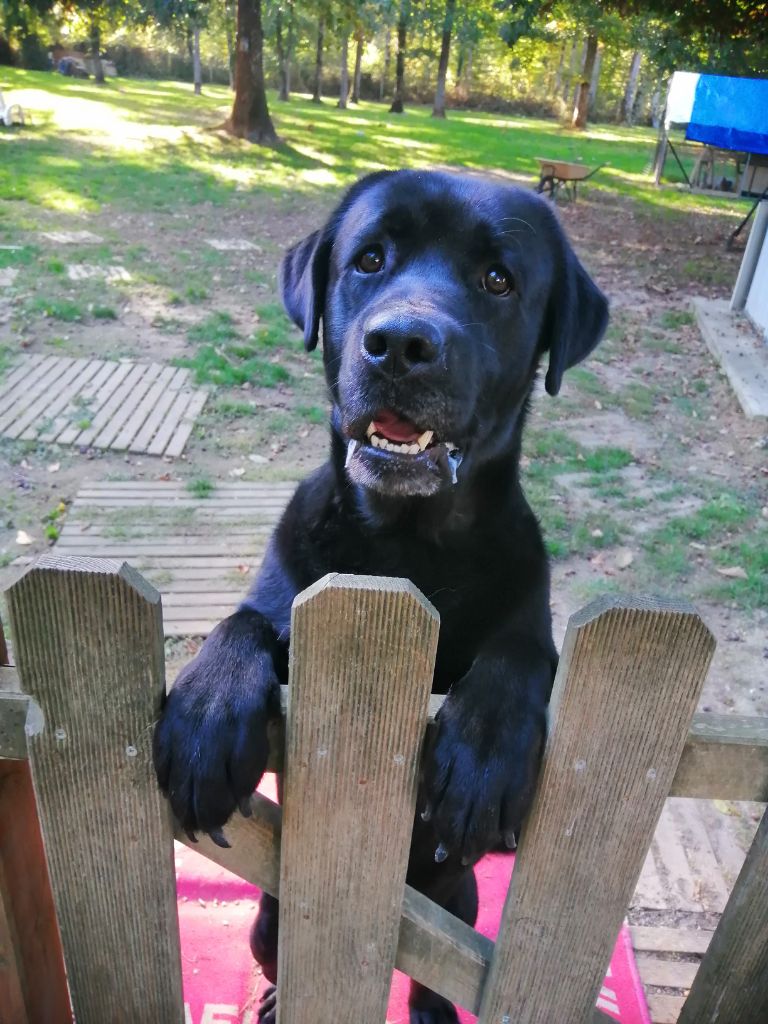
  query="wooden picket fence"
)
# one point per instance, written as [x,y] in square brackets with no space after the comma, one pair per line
[78,710]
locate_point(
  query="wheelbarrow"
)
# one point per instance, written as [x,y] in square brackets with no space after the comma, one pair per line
[561,174]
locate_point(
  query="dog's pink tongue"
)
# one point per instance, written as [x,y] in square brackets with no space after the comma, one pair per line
[394,428]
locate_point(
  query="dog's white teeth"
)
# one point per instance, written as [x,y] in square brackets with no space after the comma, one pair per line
[376,441]
[371,429]
[424,440]
[351,449]
[414,449]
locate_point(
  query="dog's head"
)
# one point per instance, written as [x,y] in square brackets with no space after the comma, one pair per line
[438,295]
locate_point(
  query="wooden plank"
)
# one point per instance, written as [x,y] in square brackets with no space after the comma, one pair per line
[82,628]
[710,889]
[650,893]
[361,665]
[665,1009]
[62,401]
[726,758]
[24,369]
[670,940]
[141,441]
[31,926]
[202,627]
[109,409]
[133,550]
[629,679]
[186,423]
[666,973]
[732,983]
[210,505]
[95,395]
[144,408]
[25,377]
[673,860]
[128,407]
[30,397]
[130,486]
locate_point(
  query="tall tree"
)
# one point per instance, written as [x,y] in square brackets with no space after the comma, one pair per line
[398,101]
[358,71]
[581,107]
[317,91]
[250,118]
[344,72]
[438,108]
[285,35]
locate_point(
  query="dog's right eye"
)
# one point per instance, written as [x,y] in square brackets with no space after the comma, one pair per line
[371,260]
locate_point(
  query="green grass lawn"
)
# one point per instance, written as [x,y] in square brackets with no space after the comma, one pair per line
[153,144]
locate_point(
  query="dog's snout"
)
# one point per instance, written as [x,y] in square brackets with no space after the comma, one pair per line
[399,345]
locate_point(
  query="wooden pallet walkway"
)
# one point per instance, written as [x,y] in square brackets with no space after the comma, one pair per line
[124,406]
[696,855]
[200,552]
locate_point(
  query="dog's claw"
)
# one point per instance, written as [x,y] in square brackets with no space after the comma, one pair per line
[441,854]
[244,804]
[510,839]
[218,837]
[426,814]
[190,835]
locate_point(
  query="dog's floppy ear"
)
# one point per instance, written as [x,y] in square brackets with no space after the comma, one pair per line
[305,268]
[576,318]
[303,281]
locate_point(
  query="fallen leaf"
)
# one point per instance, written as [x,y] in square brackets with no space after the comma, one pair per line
[243,569]
[734,572]
[54,467]
[239,471]
[22,537]
[624,558]
[597,533]
[258,459]
[726,807]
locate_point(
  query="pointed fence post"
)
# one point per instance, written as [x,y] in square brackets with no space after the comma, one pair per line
[627,685]
[88,641]
[362,659]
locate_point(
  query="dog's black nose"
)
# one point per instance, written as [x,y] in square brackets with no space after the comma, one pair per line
[400,344]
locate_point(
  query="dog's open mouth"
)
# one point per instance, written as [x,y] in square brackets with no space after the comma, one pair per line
[398,436]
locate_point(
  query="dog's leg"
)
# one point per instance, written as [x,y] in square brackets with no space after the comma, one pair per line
[453,886]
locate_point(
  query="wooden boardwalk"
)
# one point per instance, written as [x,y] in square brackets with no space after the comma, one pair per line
[125,406]
[696,855]
[200,552]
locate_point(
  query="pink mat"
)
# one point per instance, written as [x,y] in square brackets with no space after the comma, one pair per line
[222,983]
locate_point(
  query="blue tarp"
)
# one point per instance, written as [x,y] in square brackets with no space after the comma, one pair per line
[730,113]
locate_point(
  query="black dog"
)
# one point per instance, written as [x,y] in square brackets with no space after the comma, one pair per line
[438,296]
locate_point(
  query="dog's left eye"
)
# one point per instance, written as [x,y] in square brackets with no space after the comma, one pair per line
[371,260]
[497,280]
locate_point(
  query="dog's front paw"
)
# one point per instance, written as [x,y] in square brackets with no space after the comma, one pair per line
[210,745]
[479,773]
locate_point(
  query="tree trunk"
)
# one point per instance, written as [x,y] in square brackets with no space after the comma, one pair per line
[98,70]
[630,93]
[197,67]
[581,107]
[559,73]
[387,64]
[468,70]
[399,98]
[594,82]
[360,43]
[317,93]
[250,115]
[228,19]
[344,73]
[438,109]
[282,63]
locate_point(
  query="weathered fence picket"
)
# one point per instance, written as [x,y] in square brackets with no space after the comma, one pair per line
[88,644]
[358,702]
[88,641]
[628,682]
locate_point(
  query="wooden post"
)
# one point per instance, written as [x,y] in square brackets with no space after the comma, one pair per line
[732,982]
[88,641]
[628,682]
[33,985]
[362,659]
